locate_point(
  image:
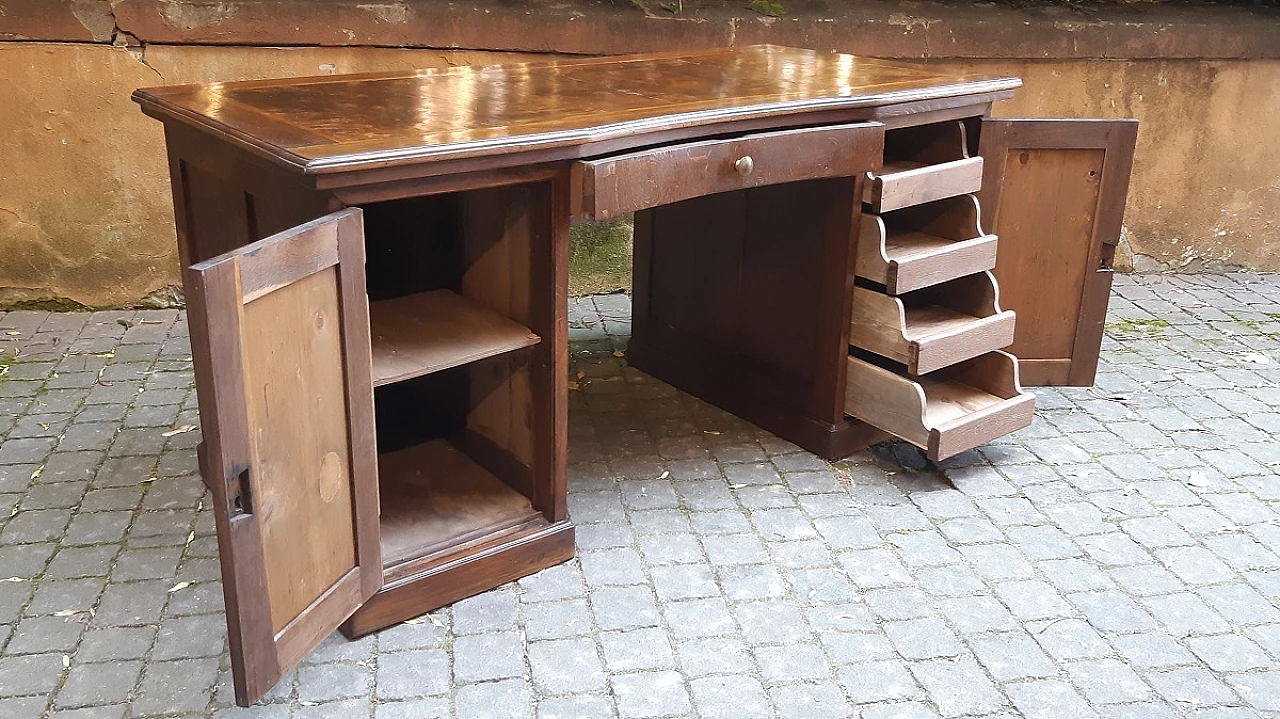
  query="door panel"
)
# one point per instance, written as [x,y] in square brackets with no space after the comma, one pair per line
[1054,193]
[280,336]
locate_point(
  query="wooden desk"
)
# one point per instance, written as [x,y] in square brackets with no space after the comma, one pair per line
[376,279]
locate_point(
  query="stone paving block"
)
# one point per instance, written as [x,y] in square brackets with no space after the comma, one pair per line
[563,666]
[822,700]
[1049,699]
[958,686]
[99,684]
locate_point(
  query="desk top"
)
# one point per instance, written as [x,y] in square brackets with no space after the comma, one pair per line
[348,122]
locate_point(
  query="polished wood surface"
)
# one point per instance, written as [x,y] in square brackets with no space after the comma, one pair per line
[283,344]
[661,176]
[357,121]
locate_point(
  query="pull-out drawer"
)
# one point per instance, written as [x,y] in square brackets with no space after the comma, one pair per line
[946,412]
[612,186]
[916,247]
[923,164]
[934,327]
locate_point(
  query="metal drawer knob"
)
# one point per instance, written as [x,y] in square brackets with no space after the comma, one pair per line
[745,165]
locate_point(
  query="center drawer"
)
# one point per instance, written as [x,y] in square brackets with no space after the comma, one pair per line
[616,185]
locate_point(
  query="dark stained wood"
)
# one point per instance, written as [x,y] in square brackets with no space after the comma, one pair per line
[470,571]
[727,311]
[278,320]
[338,123]
[434,496]
[430,331]
[625,183]
[743,294]
[1054,192]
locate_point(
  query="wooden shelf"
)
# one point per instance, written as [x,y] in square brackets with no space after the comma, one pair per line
[922,246]
[431,331]
[434,498]
[934,327]
[944,413]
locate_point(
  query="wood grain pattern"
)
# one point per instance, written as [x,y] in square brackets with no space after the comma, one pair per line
[434,497]
[904,183]
[944,413]
[620,184]
[925,245]
[431,331]
[340,123]
[291,387]
[1055,191]
[932,328]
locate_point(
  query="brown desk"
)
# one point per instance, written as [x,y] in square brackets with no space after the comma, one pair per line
[376,278]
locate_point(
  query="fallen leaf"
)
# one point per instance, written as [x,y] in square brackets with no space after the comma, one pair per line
[13,333]
[150,322]
[66,660]
[415,620]
[1257,358]
[573,385]
[435,621]
[581,374]
[619,353]
[179,587]
[38,471]
[148,480]
[736,486]
[1130,489]
[178,430]
[13,579]
[712,431]
[665,473]
[1198,480]
[68,612]
[191,537]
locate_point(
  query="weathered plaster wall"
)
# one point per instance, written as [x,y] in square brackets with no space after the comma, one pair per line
[84,199]
[1205,193]
[85,209]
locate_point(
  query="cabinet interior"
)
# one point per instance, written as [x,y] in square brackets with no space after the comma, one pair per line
[450,295]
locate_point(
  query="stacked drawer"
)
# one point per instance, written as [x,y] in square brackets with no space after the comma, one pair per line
[925,361]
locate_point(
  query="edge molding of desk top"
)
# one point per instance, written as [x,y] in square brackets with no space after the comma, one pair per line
[549,110]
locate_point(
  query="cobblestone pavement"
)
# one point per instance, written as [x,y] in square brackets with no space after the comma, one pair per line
[1119,558]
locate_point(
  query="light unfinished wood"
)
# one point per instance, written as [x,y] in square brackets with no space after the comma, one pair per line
[435,497]
[946,412]
[905,183]
[616,185]
[933,327]
[1056,195]
[431,331]
[925,245]
[923,163]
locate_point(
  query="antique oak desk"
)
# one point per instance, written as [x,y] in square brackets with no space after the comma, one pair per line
[375,267]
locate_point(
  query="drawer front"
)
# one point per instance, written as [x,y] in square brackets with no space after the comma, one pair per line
[905,184]
[612,186]
[946,412]
[922,246]
[933,328]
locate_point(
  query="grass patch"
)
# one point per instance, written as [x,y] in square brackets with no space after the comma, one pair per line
[600,256]
[1152,326]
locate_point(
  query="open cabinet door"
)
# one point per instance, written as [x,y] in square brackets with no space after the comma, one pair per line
[1054,193]
[280,340]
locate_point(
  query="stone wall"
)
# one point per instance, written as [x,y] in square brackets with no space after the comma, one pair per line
[85,212]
